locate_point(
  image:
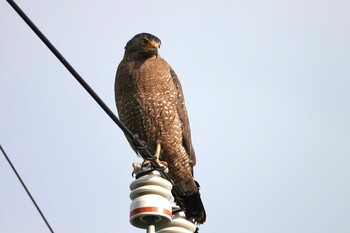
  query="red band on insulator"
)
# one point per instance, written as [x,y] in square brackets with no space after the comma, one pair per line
[150,209]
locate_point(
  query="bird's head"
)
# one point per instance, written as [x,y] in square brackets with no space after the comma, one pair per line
[142,46]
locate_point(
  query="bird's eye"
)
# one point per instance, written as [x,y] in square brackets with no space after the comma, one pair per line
[144,41]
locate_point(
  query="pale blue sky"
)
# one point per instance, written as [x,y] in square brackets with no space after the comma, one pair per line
[267,90]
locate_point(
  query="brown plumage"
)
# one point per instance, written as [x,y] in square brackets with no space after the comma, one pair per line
[150,103]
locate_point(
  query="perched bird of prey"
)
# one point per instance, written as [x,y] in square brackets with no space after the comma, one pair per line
[150,103]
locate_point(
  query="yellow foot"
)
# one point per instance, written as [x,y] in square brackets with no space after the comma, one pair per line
[147,163]
[136,165]
[165,164]
[137,168]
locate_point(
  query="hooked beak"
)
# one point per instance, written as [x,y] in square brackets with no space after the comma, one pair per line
[153,46]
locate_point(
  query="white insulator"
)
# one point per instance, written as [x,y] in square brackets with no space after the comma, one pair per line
[150,195]
[179,224]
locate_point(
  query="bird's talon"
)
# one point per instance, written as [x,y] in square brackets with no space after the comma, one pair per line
[146,164]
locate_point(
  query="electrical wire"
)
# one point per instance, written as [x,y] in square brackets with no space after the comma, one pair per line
[25,187]
[141,147]
[138,144]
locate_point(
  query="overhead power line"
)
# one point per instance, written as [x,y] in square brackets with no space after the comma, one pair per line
[141,147]
[134,138]
[25,187]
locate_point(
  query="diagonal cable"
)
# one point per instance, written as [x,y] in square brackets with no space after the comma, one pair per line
[25,187]
[141,147]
